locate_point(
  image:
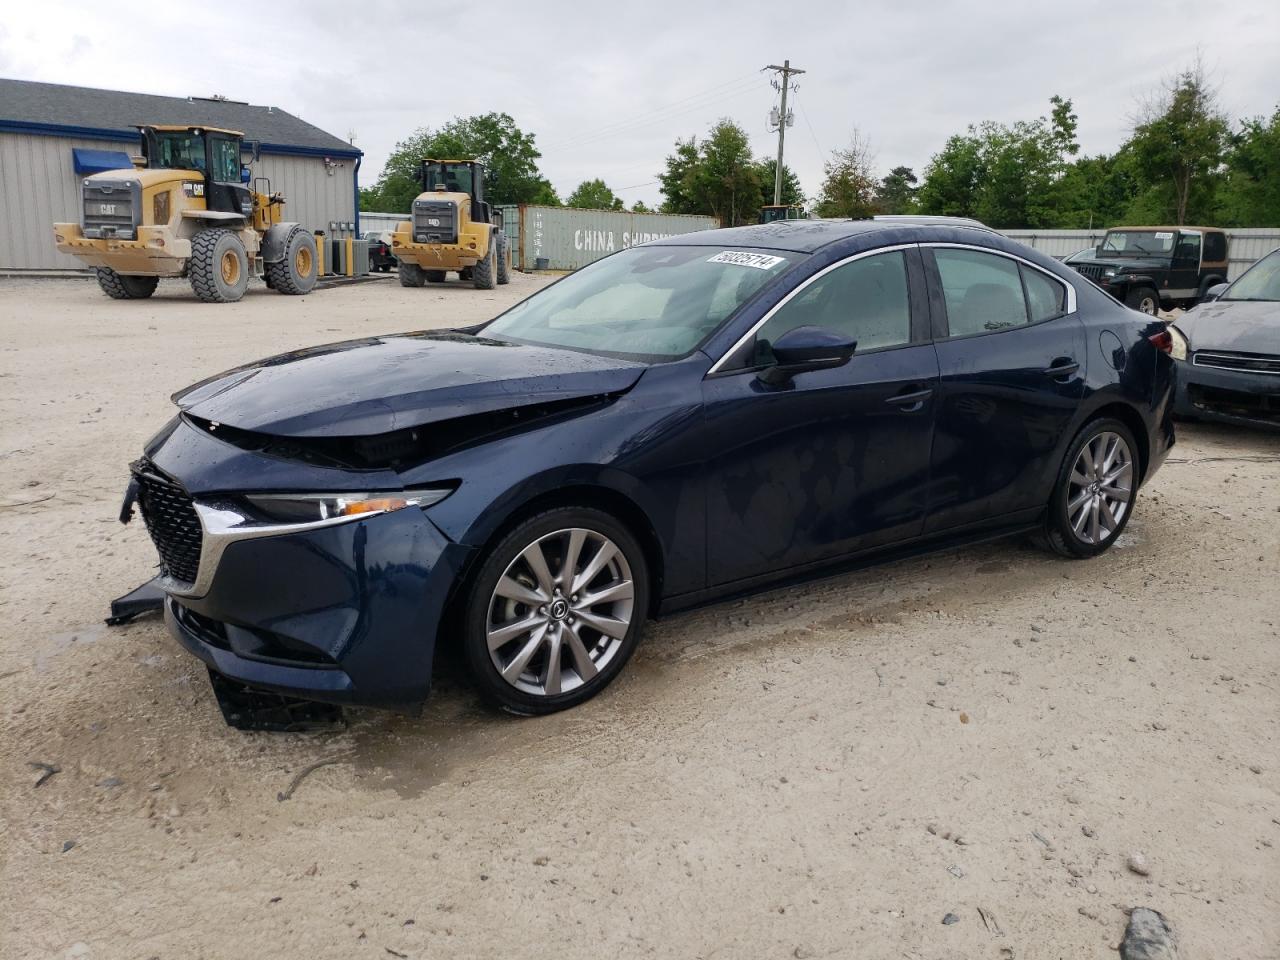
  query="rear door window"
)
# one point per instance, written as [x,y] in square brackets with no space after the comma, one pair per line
[983,291]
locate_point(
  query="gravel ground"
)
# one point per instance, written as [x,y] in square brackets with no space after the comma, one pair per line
[823,771]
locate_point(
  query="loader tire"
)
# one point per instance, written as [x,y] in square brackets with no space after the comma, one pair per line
[504,259]
[411,275]
[295,274]
[482,273]
[119,287]
[219,267]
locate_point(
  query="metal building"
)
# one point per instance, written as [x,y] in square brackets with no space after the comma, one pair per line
[49,134]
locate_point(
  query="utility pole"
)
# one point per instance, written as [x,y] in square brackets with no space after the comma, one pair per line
[786,70]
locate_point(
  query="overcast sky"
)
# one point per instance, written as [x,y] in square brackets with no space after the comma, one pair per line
[606,88]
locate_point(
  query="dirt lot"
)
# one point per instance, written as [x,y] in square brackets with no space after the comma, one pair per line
[821,771]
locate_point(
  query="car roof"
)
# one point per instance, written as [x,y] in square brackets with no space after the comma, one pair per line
[809,236]
[1185,226]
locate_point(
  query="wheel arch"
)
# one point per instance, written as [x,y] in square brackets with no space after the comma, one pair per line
[1131,418]
[581,494]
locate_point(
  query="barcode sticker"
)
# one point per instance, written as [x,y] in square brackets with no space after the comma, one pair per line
[761,261]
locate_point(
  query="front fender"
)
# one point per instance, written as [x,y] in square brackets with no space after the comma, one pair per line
[275,240]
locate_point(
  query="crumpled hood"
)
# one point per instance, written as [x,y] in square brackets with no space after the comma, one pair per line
[380,384]
[1237,326]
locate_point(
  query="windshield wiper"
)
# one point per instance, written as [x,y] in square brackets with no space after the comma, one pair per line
[1250,299]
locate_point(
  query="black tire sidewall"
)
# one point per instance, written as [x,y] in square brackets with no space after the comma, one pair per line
[1059,524]
[475,614]
[1135,298]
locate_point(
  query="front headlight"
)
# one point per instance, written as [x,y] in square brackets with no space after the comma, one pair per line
[311,507]
[1110,273]
[1180,343]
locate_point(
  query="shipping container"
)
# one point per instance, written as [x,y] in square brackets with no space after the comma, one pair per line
[566,238]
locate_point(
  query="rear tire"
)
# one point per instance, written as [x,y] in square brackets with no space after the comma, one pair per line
[435,276]
[1144,300]
[411,275]
[1098,479]
[554,654]
[219,267]
[504,259]
[119,287]
[482,274]
[296,273]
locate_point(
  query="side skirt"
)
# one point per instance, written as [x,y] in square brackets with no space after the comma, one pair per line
[1023,522]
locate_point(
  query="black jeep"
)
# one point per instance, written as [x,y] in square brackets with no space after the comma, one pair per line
[1151,268]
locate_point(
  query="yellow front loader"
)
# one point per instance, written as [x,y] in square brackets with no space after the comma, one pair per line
[186,210]
[451,227]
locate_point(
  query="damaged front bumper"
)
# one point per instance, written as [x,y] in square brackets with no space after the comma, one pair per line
[342,612]
[1228,396]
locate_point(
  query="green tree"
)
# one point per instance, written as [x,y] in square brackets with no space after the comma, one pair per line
[951,179]
[1004,175]
[1178,145]
[715,177]
[1096,192]
[640,207]
[593,195]
[1249,195]
[509,155]
[896,192]
[848,184]
[677,180]
[792,194]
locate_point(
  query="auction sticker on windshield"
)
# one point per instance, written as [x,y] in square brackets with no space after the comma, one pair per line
[761,261]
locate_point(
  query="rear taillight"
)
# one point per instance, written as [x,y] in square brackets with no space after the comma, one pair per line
[1162,341]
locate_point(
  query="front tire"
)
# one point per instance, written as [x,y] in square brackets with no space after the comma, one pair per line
[555,610]
[1144,300]
[411,275]
[1095,491]
[219,267]
[119,287]
[482,274]
[504,259]
[296,273]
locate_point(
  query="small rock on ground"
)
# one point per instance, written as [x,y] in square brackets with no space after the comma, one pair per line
[1138,864]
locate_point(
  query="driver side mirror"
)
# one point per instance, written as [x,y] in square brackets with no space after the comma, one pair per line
[807,348]
[245,175]
[1214,292]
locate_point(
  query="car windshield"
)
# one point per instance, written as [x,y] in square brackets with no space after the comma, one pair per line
[649,303]
[1259,282]
[1140,243]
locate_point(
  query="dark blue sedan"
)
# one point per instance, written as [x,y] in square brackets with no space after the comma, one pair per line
[683,420]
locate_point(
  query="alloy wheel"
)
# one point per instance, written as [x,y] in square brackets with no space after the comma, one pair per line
[560,612]
[1100,487]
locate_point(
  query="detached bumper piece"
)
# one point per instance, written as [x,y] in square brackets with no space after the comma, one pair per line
[245,708]
[148,598]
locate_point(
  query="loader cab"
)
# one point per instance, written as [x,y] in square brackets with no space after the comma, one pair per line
[457,176]
[775,212]
[214,154]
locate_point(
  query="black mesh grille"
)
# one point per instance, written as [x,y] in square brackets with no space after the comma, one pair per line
[434,221]
[1091,271]
[171,520]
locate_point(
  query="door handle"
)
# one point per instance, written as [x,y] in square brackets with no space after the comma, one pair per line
[1062,367]
[910,402]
